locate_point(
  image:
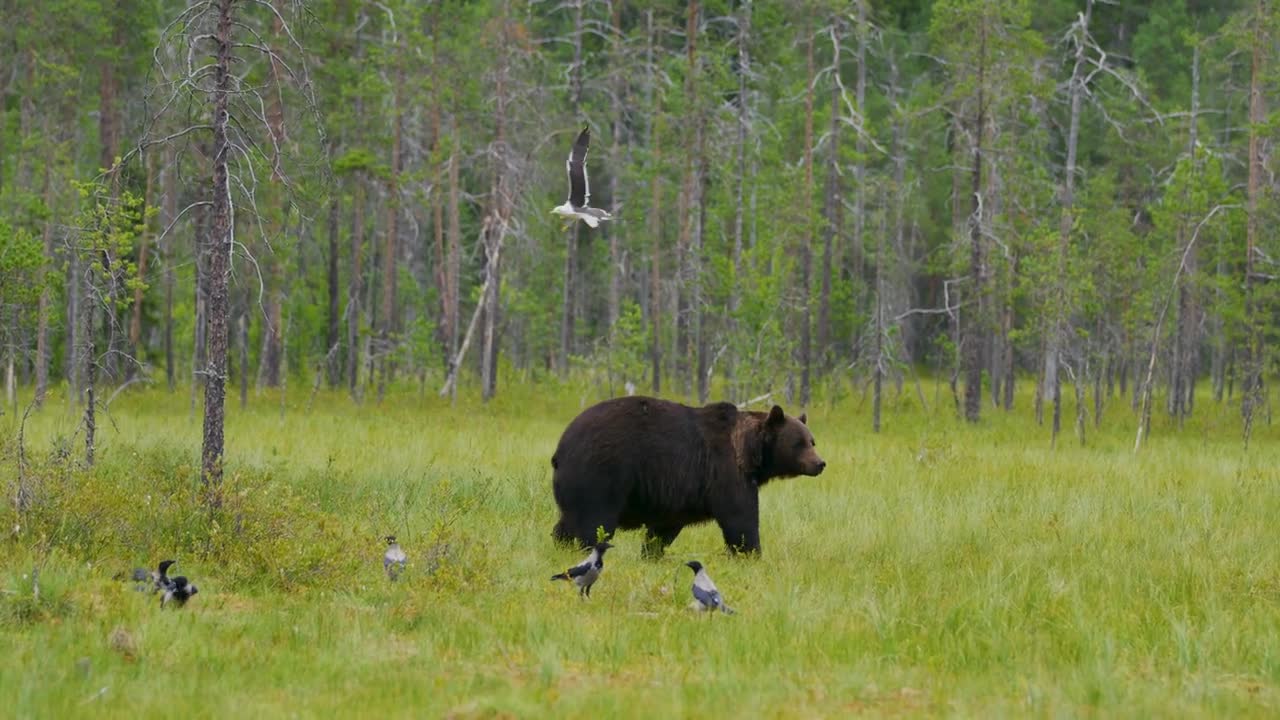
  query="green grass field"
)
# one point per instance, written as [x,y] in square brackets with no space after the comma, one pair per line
[935,569]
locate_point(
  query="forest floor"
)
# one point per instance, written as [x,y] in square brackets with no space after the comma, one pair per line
[934,569]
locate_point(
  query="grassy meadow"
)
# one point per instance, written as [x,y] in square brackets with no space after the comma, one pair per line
[934,569]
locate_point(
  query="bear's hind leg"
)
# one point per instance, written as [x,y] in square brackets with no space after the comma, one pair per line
[657,539]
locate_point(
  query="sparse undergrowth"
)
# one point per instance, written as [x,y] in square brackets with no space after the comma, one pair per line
[936,569]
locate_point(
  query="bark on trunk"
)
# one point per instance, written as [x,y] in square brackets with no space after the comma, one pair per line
[806,237]
[974,325]
[219,263]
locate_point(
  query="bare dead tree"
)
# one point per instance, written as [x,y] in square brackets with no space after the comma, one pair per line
[1058,324]
[205,46]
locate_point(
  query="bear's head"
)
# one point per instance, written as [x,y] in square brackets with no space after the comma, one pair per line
[789,447]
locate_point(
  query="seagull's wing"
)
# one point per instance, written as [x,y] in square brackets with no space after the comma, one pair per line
[577,167]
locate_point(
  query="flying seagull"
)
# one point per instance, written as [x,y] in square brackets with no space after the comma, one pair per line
[585,573]
[579,188]
[393,559]
[705,594]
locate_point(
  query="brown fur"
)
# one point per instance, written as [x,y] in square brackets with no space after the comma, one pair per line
[637,461]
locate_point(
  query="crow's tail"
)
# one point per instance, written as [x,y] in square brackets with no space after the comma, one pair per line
[561,576]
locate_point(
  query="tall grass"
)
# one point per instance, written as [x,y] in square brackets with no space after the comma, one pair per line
[935,569]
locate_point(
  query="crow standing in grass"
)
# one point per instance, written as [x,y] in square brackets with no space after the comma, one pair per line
[393,559]
[179,591]
[705,594]
[585,573]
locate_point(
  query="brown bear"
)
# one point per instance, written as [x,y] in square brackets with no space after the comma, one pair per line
[639,461]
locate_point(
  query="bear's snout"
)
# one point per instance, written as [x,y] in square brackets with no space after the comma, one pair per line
[815,466]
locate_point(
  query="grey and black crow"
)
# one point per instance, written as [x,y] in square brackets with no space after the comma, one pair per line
[705,594]
[578,204]
[585,573]
[179,591]
[393,559]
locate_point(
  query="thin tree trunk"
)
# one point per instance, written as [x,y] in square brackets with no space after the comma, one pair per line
[617,270]
[744,128]
[806,236]
[1253,311]
[242,341]
[831,205]
[45,304]
[169,213]
[453,258]
[1066,218]
[219,263]
[333,331]
[495,230]
[135,320]
[857,242]
[655,219]
[568,319]
[387,314]
[354,287]
[977,256]
[90,372]
[109,142]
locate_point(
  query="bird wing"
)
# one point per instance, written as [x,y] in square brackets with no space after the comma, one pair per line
[581,569]
[579,193]
[708,597]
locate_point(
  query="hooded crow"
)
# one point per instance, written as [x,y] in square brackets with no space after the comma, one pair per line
[179,591]
[705,594]
[393,559]
[585,573]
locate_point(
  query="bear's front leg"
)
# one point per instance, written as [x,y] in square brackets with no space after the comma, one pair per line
[740,524]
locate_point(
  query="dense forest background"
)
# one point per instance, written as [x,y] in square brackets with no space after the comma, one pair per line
[811,197]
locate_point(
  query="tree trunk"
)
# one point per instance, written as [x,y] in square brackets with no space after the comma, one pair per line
[831,204]
[168,215]
[744,129]
[806,232]
[355,284]
[495,229]
[219,262]
[242,341]
[109,142]
[617,269]
[1066,218]
[1253,311]
[655,219]
[45,305]
[332,332]
[974,326]
[90,371]
[856,244]
[199,345]
[453,257]
[135,319]
[387,309]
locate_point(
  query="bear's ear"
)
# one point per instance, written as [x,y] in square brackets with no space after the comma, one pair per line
[803,417]
[776,416]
